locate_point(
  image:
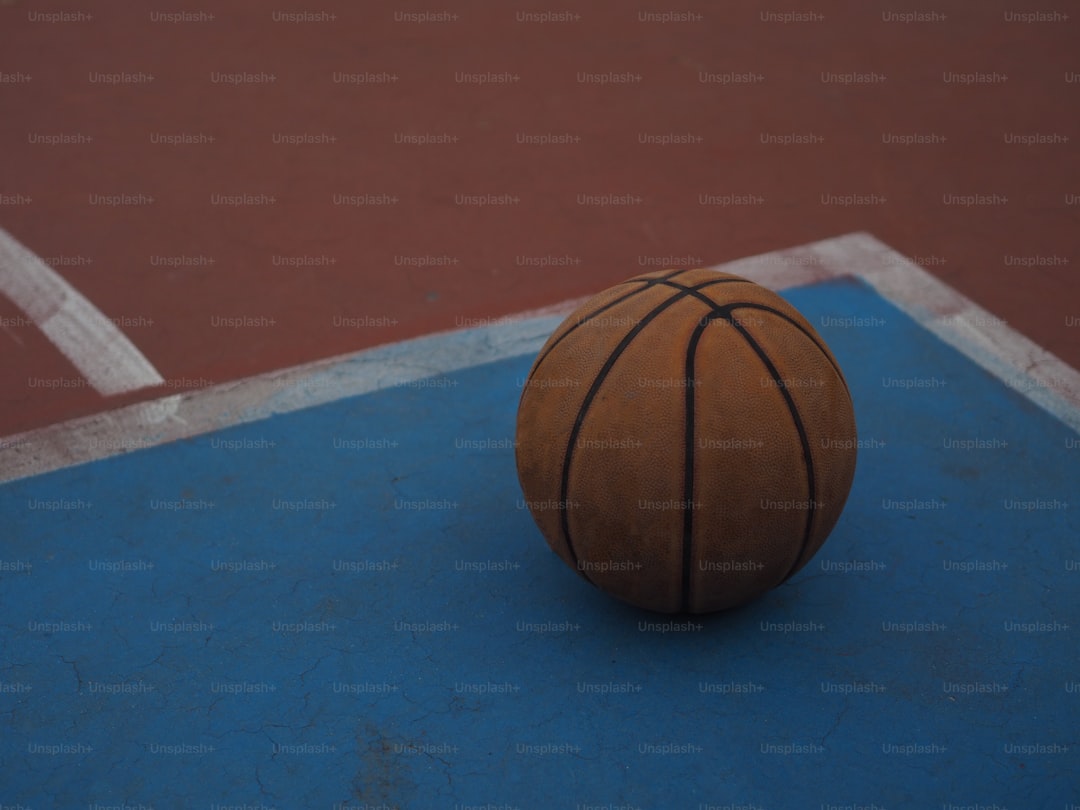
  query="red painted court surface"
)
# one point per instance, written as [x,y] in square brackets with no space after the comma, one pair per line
[239,187]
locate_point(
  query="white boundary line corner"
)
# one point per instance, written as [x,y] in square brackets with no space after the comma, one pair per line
[959,322]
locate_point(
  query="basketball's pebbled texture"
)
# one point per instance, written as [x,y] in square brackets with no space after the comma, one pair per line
[686,441]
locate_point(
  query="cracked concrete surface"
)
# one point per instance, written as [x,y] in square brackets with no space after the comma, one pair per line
[307,657]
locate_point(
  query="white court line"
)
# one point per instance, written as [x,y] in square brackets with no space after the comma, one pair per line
[986,339]
[93,344]
[956,320]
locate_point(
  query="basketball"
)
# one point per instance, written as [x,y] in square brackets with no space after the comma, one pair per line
[685,441]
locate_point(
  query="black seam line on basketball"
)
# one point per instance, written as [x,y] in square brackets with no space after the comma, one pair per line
[717,312]
[808,459]
[646,276]
[601,376]
[688,466]
[821,348]
[648,283]
[714,306]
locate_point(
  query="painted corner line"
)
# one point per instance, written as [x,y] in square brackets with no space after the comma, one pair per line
[958,321]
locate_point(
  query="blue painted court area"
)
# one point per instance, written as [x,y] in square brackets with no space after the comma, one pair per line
[350,607]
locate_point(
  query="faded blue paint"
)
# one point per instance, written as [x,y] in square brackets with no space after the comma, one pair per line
[596,693]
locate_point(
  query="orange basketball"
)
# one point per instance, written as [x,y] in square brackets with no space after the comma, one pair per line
[686,441]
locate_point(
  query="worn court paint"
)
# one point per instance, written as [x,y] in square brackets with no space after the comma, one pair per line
[178,416]
[95,346]
[954,318]
[349,604]
[960,322]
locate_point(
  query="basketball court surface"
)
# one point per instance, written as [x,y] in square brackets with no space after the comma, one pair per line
[263,543]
